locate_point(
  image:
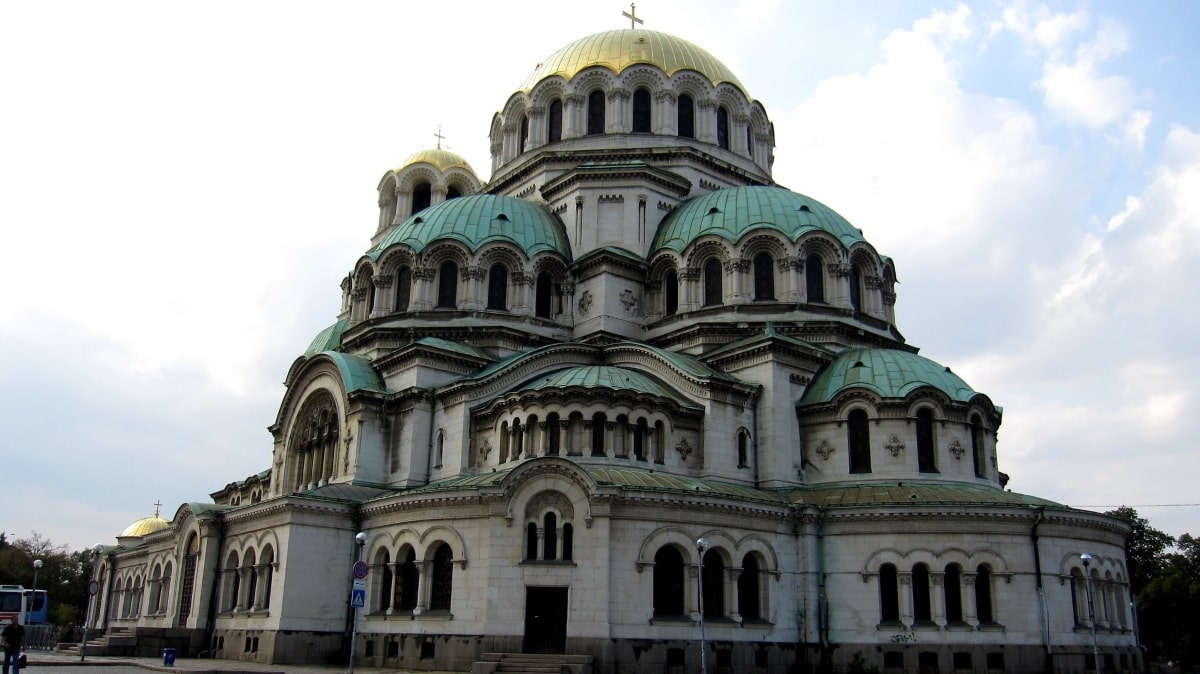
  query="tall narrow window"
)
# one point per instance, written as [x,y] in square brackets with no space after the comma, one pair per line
[524,133]
[421,197]
[722,128]
[542,295]
[858,437]
[384,562]
[747,587]
[568,542]
[686,116]
[442,587]
[668,582]
[599,421]
[595,113]
[814,279]
[977,448]
[671,293]
[743,448]
[983,593]
[639,440]
[920,591]
[749,142]
[764,278]
[953,593]
[641,111]
[403,288]
[447,286]
[553,441]
[855,288]
[409,578]
[713,292]
[713,570]
[554,122]
[926,461]
[550,537]
[889,594]
[498,288]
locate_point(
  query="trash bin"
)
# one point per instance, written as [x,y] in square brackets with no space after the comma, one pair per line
[168,656]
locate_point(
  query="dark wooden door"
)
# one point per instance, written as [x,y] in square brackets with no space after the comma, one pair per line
[545,619]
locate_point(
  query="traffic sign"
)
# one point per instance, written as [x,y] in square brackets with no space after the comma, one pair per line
[93,587]
[358,595]
[360,569]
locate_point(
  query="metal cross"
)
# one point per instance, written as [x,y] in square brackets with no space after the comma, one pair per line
[632,16]
[157,505]
[439,136]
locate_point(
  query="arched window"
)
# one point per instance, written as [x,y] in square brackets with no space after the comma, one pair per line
[595,113]
[855,288]
[977,448]
[713,570]
[743,448]
[983,593]
[554,121]
[366,281]
[498,288]
[568,542]
[553,441]
[858,438]
[403,288]
[531,541]
[383,563]
[953,593]
[314,443]
[447,286]
[670,293]
[524,132]
[641,111]
[410,578]
[926,458]
[543,295]
[814,279]
[599,421]
[747,587]
[640,433]
[442,586]
[920,591]
[749,143]
[452,192]
[722,128]
[668,582]
[889,594]
[686,116]
[764,278]
[713,293]
[421,197]
[550,537]
[1078,597]
[234,574]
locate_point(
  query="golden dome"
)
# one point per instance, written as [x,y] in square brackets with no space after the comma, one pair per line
[146,525]
[619,49]
[441,159]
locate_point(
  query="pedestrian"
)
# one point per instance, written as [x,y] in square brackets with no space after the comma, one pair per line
[14,640]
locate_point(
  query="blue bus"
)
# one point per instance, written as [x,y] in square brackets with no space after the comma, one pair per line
[23,606]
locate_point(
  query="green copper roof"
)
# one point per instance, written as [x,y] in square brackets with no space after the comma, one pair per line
[913,494]
[357,372]
[888,372]
[328,339]
[605,377]
[732,212]
[478,219]
[455,347]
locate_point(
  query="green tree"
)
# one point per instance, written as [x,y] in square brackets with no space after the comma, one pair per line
[64,574]
[1145,549]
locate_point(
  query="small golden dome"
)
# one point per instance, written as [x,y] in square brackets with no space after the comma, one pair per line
[442,160]
[620,49]
[146,525]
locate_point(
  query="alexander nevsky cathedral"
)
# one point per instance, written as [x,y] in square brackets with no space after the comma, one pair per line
[628,406]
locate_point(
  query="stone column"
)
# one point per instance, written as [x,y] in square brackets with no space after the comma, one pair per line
[906,598]
[937,583]
[971,610]
[383,296]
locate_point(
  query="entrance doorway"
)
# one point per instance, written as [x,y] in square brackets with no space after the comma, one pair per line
[545,619]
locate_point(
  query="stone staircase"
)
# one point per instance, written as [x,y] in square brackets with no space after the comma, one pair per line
[532,663]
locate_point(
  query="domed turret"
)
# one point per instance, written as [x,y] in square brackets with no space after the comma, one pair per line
[442,160]
[478,219]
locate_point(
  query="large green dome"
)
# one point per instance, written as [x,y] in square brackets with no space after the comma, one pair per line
[890,373]
[731,213]
[479,219]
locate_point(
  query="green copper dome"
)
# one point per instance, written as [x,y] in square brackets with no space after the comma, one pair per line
[605,377]
[731,213]
[887,372]
[479,219]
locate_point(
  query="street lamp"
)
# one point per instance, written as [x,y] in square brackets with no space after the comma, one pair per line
[92,589]
[37,566]
[1087,577]
[360,540]
[701,548]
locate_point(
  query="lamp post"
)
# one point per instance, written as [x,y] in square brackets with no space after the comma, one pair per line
[37,566]
[701,548]
[1087,577]
[92,590]
[360,540]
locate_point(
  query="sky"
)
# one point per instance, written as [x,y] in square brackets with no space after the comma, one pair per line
[183,187]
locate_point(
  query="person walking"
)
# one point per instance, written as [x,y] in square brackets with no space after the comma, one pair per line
[13,637]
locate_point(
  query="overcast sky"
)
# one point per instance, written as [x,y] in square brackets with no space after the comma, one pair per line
[184,185]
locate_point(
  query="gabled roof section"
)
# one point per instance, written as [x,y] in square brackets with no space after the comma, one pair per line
[328,339]
[455,347]
[605,377]
[767,335]
[890,373]
[357,372]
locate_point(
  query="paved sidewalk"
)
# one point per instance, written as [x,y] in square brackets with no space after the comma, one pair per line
[199,666]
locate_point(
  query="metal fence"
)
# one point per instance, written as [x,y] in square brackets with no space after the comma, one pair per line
[42,637]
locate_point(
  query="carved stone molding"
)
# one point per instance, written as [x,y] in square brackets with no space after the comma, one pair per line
[629,301]
[825,450]
[585,303]
[683,448]
[894,445]
[957,449]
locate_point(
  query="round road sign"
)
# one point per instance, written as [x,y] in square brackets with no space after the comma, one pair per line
[360,569]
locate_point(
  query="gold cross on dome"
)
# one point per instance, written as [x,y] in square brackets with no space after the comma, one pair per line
[157,505]
[634,20]
[439,136]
